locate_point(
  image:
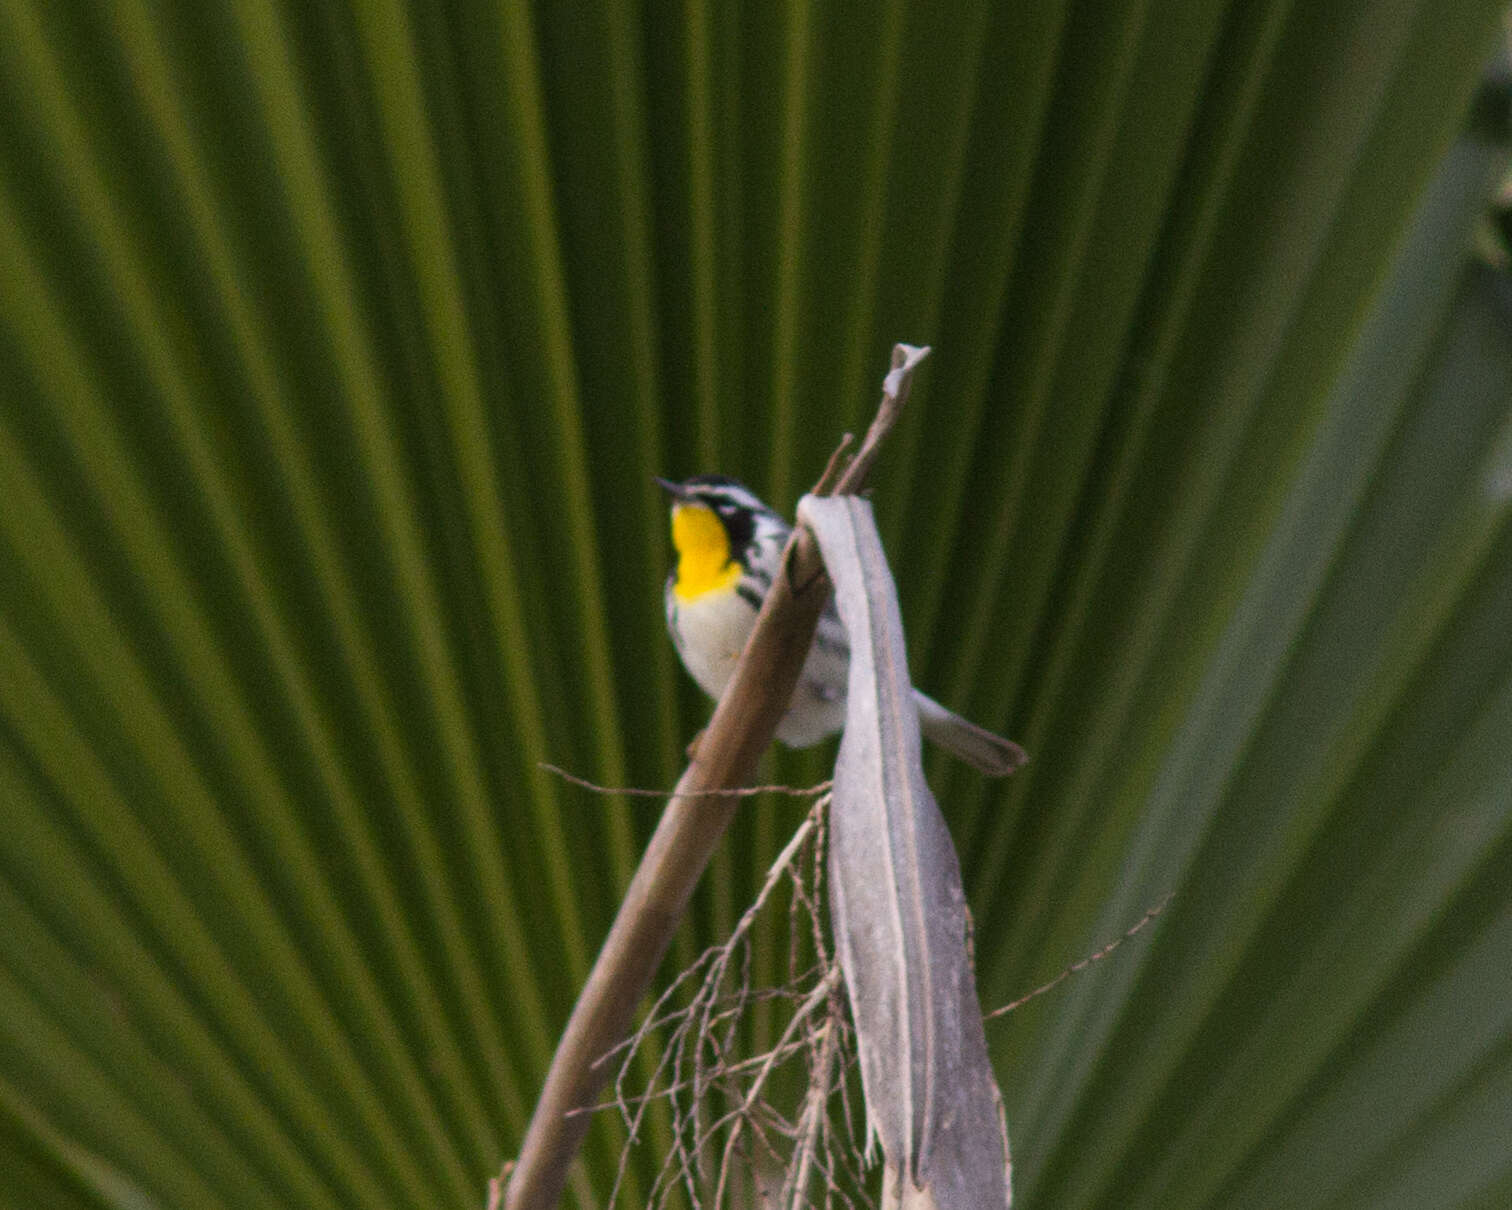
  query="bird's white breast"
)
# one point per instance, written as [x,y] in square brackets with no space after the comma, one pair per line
[710,633]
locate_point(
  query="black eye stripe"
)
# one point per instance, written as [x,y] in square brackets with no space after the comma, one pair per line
[748,522]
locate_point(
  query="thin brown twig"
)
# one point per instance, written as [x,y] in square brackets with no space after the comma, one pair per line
[831,474]
[818,788]
[496,1186]
[813,1117]
[818,996]
[1082,963]
[660,1019]
[895,391]
[783,1052]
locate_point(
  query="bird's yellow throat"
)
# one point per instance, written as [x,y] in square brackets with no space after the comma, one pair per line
[703,552]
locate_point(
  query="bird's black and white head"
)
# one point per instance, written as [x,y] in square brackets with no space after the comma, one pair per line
[721,530]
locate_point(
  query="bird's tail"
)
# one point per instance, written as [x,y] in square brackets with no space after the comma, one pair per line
[978,747]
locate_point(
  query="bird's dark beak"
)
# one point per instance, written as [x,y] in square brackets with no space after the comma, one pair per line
[675,490]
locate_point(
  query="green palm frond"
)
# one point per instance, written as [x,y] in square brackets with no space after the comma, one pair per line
[338,347]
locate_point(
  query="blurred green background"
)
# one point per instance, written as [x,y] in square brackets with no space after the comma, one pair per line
[338,347]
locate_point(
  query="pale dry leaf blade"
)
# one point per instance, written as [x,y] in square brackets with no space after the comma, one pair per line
[898,907]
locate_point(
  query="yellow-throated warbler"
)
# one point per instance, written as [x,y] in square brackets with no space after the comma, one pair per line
[728,547]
